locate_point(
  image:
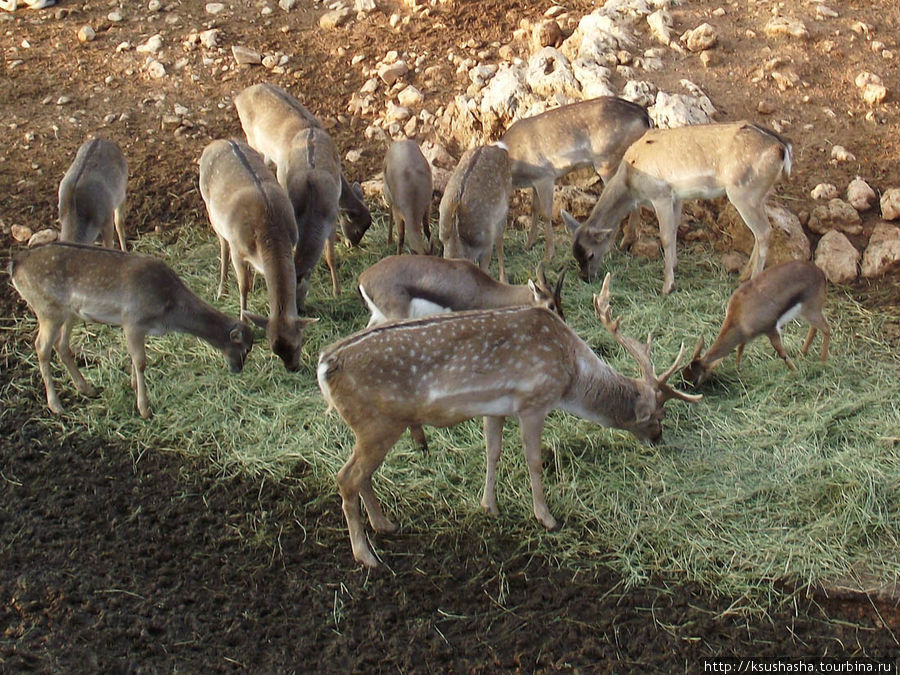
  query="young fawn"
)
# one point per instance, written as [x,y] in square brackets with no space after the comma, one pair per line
[762,306]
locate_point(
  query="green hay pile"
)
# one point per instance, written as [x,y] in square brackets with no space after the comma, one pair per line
[774,476]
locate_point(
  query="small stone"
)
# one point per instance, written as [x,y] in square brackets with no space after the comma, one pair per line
[245,55]
[765,107]
[43,237]
[706,59]
[210,38]
[837,258]
[154,5]
[21,233]
[825,191]
[890,204]
[840,154]
[151,46]
[410,96]
[395,113]
[215,8]
[269,61]
[353,156]
[335,18]
[86,34]
[700,38]
[287,5]
[390,73]
[823,12]
[114,17]
[786,26]
[860,195]
[123,46]
[155,69]
[883,250]
[873,94]
[364,5]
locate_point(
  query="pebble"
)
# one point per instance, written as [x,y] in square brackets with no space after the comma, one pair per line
[215,8]
[86,34]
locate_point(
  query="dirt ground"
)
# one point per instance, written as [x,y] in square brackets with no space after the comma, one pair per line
[110,562]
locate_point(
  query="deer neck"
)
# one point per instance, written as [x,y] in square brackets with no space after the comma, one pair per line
[495,296]
[281,285]
[195,317]
[601,395]
[616,201]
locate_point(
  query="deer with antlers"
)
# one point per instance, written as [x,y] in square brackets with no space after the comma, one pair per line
[520,361]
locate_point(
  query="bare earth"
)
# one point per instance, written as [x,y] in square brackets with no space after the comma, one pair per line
[110,562]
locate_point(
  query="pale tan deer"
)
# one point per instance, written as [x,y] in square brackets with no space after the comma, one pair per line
[665,167]
[271,119]
[254,221]
[473,208]
[521,361]
[762,306]
[92,195]
[64,282]
[313,183]
[545,147]
[407,190]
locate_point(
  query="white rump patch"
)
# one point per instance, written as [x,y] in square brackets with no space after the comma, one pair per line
[419,308]
[378,316]
[789,315]
[323,385]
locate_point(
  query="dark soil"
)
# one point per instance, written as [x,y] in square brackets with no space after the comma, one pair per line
[111,562]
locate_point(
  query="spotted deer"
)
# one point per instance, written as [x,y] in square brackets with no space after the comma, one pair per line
[271,118]
[92,195]
[64,282]
[762,306]
[520,361]
[407,190]
[547,146]
[665,167]
[254,221]
[474,206]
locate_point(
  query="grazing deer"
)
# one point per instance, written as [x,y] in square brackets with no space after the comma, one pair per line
[474,206]
[547,146]
[271,118]
[521,361]
[762,306]
[667,166]
[407,190]
[92,195]
[254,220]
[62,282]
[313,182]
[409,287]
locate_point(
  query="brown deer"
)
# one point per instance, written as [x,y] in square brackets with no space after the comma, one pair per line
[545,147]
[521,361]
[271,118]
[762,306]
[664,167]
[254,221]
[63,282]
[407,287]
[407,190]
[474,206]
[313,183]
[92,195]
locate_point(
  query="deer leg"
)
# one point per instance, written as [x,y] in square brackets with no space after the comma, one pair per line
[668,212]
[331,261]
[629,232]
[426,228]
[134,339]
[68,359]
[817,321]
[740,353]
[417,433]
[244,280]
[223,265]
[532,425]
[392,216]
[48,333]
[753,213]
[119,218]
[499,243]
[775,339]
[493,439]
[355,479]
[401,229]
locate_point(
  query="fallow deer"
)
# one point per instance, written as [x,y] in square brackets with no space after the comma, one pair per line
[313,183]
[92,195]
[254,221]
[521,361]
[762,306]
[271,118]
[407,190]
[407,287]
[474,206]
[63,282]
[665,167]
[547,146]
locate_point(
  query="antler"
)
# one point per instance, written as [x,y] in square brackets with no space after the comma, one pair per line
[640,351]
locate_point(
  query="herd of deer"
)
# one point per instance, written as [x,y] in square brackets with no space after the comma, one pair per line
[445,341]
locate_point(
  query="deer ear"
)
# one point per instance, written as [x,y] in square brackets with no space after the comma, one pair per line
[570,222]
[236,335]
[261,321]
[357,189]
[533,288]
[303,324]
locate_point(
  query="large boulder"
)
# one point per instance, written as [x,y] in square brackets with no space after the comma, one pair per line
[890,204]
[788,241]
[883,251]
[860,195]
[835,215]
[837,258]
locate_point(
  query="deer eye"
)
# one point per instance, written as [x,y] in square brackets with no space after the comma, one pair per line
[590,255]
